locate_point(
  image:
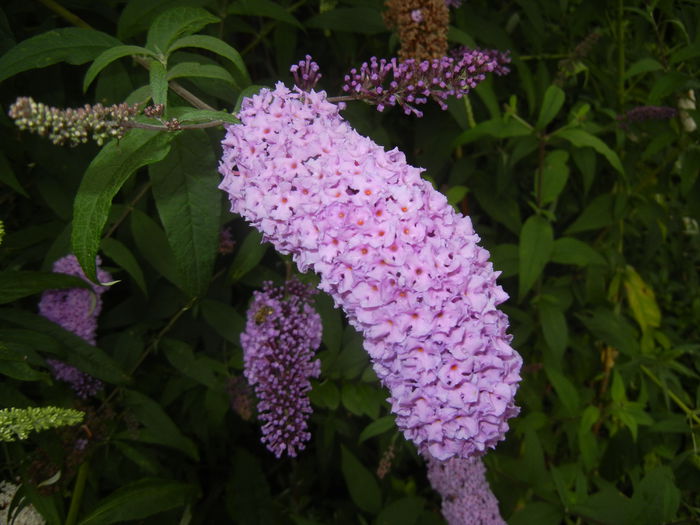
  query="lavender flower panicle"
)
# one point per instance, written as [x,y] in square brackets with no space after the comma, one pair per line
[76,310]
[466,496]
[409,83]
[306,74]
[282,332]
[390,250]
[643,113]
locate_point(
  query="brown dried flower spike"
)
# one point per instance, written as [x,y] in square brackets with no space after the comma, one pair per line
[422,27]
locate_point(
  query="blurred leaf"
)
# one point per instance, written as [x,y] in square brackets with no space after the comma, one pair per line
[588,442]
[363,487]
[364,20]
[456,194]
[123,257]
[668,83]
[264,8]
[175,23]
[140,499]
[581,139]
[157,428]
[197,70]
[598,214]
[608,507]
[217,46]
[554,327]
[375,428]
[15,285]
[108,171]
[249,254]
[555,173]
[643,65]
[568,250]
[537,512]
[248,497]
[612,329]
[658,497]
[404,511]
[153,245]
[505,259]
[8,177]
[224,319]
[499,128]
[552,103]
[13,364]
[138,14]
[74,45]
[206,115]
[158,82]
[536,243]
[110,55]
[566,391]
[325,394]
[689,168]
[641,299]
[188,202]
[181,356]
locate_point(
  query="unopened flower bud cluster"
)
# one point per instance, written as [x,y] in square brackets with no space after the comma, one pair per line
[72,126]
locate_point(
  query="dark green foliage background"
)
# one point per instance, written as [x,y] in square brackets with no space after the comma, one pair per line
[594,227]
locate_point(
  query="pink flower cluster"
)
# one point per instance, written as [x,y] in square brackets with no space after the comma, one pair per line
[391,251]
[466,496]
[76,310]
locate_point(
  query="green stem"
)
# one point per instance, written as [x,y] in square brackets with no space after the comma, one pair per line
[620,54]
[65,14]
[685,408]
[78,491]
[470,112]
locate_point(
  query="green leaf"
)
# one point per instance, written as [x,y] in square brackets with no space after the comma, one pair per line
[658,497]
[153,245]
[554,327]
[598,214]
[535,248]
[363,20]
[176,23]
[689,168]
[105,175]
[581,139]
[72,44]
[552,103]
[248,499]
[122,256]
[157,428]
[8,177]
[15,285]
[537,512]
[566,391]
[363,487]
[455,194]
[224,319]
[185,187]
[612,329]
[264,8]
[73,349]
[158,81]
[641,299]
[568,250]
[206,115]
[555,173]
[13,363]
[215,45]
[139,14]
[197,70]
[325,394]
[181,356]
[109,56]
[375,428]
[643,65]
[499,128]
[404,511]
[140,499]
[248,256]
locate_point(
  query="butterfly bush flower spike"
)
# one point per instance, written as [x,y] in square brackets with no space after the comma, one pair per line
[76,310]
[281,335]
[466,496]
[404,266]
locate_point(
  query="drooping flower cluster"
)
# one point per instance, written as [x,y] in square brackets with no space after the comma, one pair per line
[72,126]
[410,83]
[241,397]
[421,26]
[466,496]
[282,333]
[644,113]
[306,74]
[404,266]
[76,310]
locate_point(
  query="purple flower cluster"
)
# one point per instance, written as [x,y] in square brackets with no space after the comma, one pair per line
[453,3]
[306,74]
[404,266]
[409,83]
[642,113]
[282,332]
[466,496]
[76,310]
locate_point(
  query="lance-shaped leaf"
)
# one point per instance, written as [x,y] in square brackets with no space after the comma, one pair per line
[552,103]
[109,56]
[15,285]
[582,139]
[362,485]
[158,82]
[72,44]
[215,45]
[536,243]
[265,8]
[641,299]
[105,175]
[189,205]
[175,23]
